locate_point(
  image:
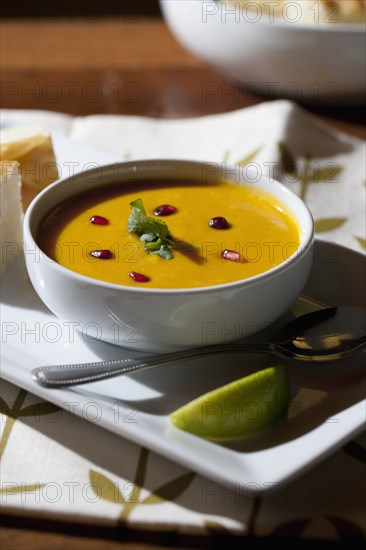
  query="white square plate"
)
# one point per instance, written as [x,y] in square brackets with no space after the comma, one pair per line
[328,400]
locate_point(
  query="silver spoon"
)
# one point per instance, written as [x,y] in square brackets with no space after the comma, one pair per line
[323,335]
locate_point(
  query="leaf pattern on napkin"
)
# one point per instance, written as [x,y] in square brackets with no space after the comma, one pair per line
[328,224]
[12,413]
[361,241]
[311,172]
[308,171]
[214,527]
[287,160]
[105,488]
[250,156]
[244,160]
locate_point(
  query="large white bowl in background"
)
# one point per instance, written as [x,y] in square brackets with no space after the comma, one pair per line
[283,57]
[153,319]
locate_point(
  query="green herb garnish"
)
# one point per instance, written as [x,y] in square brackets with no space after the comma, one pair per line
[153,233]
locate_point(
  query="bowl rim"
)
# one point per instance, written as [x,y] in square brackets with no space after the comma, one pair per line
[341,27]
[307,238]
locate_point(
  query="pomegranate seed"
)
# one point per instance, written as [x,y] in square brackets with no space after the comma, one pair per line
[98,220]
[165,210]
[219,223]
[138,277]
[102,254]
[231,255]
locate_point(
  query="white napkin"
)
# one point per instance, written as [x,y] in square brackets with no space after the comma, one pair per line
[63,466]
[330,165]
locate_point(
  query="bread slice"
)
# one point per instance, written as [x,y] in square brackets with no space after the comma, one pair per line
[32,147]
[11,212]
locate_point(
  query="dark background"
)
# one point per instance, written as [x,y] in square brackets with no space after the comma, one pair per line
[67,8]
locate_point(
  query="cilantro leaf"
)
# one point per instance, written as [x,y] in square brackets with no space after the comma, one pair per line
[152,232]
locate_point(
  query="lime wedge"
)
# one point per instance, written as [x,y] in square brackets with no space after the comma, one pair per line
[240,408]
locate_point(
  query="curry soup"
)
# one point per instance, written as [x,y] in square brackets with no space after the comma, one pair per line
[225,231]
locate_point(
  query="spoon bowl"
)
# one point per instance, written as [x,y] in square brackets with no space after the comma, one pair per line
[324,335]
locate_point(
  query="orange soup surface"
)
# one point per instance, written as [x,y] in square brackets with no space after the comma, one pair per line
[258,235]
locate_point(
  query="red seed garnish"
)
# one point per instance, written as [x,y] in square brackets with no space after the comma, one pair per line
[165,210]
[102,254]
[138,277]
[231,255]
[98,220]
[219,223]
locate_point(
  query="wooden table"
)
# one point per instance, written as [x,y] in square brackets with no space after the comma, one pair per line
[125,66]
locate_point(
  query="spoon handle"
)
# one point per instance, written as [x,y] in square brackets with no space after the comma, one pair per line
[57,376]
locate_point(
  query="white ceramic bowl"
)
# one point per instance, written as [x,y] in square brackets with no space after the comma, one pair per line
[153,319]
[317,63]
